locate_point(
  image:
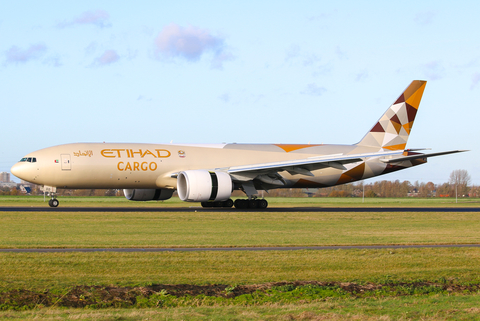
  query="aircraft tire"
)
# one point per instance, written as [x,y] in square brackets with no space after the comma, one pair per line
[262,204]
[240,204]
[53,202]
[228,203]
[244,204]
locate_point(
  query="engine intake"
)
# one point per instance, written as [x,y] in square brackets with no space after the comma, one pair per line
[148,194]
[202,185]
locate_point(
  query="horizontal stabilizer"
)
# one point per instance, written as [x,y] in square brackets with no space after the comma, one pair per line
[412,157]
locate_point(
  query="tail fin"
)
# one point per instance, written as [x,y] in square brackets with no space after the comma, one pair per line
[392,130]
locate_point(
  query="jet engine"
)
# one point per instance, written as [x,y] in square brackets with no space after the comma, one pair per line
[148,194]
[202,185]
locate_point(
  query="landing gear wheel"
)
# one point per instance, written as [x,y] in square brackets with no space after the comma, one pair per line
[262,203]
[228,203]
[257,203]
[53,202]
[240,204]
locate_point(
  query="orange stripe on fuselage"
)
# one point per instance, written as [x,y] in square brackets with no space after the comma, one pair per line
[291,147]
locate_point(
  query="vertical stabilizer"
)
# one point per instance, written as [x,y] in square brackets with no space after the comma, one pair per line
[392,130]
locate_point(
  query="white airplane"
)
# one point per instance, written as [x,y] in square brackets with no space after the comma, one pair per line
[210,173]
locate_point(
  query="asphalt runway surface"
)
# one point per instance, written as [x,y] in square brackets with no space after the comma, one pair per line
[234,210]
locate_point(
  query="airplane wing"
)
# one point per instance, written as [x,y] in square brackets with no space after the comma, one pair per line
[267,172]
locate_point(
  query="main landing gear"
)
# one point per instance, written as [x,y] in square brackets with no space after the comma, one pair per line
[227,203]
[251,203]
[239,203]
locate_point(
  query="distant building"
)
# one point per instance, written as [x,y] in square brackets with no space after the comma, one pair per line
[4,177]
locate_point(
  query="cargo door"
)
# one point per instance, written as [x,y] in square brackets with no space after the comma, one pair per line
[66,162]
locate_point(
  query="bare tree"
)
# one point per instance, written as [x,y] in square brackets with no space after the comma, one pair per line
[460,179]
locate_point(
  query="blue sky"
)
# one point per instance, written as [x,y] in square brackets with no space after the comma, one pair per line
[245,72]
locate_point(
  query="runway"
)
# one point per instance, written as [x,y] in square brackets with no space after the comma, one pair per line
[230,249]
[234,210]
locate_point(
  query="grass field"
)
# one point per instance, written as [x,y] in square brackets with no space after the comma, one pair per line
[399,275]
[37,271]
[232,229]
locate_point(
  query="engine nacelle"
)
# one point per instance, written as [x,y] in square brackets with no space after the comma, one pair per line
[202,185]
[159,194]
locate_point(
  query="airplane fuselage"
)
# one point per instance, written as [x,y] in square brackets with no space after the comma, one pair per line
[129,166]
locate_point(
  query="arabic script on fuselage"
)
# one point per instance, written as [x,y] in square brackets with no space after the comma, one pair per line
[86,153]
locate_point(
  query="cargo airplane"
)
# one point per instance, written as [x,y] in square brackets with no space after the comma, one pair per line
[210,173]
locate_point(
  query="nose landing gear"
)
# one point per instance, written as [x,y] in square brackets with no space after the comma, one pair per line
[53,202]
[50,191]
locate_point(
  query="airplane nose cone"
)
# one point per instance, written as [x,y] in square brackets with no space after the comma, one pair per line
[18,170]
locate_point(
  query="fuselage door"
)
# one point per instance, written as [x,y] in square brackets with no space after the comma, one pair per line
[66,162]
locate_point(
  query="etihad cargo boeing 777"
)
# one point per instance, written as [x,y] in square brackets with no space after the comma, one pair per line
[210,173]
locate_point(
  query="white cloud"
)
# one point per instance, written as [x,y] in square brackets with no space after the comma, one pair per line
[225,97]
[53,61]
[18,55]
[361,76]
[190,43]
[318,17]
[292,52]
[220,58]
[313,89]
[143,98]
[340,53]
[97,18]
[108,57]
[475,80]
[433,70]
[424,18]
[311,60]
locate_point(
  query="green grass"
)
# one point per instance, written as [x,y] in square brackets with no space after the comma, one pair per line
[75,201]
[232,229]
[59,272]
[438,307]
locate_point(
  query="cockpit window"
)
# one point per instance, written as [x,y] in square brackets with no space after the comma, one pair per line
[29,159]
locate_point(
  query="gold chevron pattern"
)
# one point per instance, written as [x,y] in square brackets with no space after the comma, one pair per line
[392,130]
